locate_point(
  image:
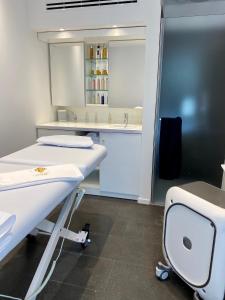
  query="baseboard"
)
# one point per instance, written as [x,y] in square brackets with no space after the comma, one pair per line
[97,192]
[144,201]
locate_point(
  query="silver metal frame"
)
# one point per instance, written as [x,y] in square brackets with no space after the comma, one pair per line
[56,231]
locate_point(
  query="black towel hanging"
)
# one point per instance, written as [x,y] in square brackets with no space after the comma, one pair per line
[170,148]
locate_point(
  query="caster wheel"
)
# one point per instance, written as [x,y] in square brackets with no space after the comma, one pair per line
[86,228]
[163,276]
[85,244]
[162,272]
[196,296]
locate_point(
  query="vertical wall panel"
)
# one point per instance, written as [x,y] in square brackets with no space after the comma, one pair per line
[193,77]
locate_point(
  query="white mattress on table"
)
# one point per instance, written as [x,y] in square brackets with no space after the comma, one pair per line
[31,205]
[85,159]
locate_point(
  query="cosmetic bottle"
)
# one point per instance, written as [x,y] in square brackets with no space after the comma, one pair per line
[97,100]
[98,84]
[92,72]
[93,84]
[104,52]
[102,99]
[89,84]
[91,52]
[98,72]
[106,84]
[105,69]
[98,52]
[106,98]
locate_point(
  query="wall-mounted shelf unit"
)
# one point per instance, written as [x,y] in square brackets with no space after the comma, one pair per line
[96,74]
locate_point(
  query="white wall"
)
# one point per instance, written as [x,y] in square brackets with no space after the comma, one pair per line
[24,82]
[128,14]
[152,68]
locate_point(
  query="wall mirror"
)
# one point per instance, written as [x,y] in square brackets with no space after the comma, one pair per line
[67,74]
[126,73]
[110,73]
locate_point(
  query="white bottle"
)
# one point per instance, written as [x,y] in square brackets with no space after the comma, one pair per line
[97,99]
[106,84]
[106,98]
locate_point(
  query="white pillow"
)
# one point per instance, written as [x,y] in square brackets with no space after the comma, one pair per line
[69,141]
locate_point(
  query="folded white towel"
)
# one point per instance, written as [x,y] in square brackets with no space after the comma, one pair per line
[40,175]
[69,141]
[6,223]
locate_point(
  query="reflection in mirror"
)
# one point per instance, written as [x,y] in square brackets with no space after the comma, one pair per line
[67,74]
[126,73]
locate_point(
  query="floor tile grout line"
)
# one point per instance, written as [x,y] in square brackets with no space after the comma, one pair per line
[110,272]
[72,285]
[110,259]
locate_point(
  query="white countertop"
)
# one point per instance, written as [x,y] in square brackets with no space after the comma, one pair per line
[87,126]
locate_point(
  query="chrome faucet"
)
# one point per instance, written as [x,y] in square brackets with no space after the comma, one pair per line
[125,120]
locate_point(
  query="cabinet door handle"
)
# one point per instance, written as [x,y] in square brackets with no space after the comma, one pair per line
[102,141]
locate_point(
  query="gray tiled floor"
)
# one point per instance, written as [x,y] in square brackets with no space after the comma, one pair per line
[118,265]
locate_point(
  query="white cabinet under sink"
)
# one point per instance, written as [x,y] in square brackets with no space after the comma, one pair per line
[119,172]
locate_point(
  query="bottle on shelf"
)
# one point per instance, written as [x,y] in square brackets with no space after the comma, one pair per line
[102,99]
[92,71]
[104,52]
[106,87]
[98,71]
[97,98]
[102,86]
[99,84]
[105,69]
[93,85]
[106,98]
[98,52]
[91,52]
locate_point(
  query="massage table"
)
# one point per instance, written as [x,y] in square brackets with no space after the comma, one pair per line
[33,204]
